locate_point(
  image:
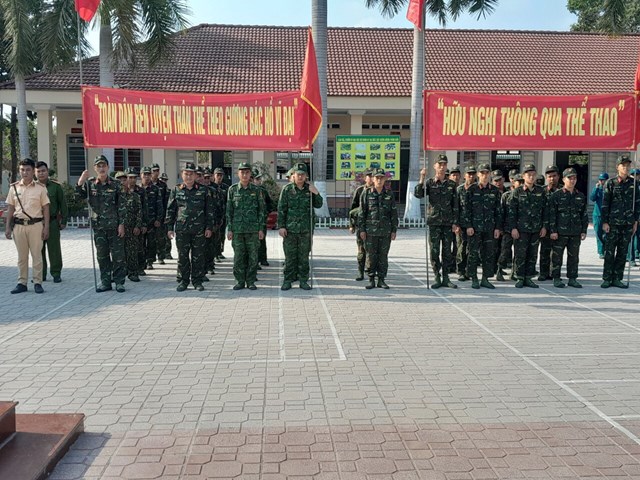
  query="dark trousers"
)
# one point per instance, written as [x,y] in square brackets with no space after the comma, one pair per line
[362,252]
[297,247]
[506,250]
[110,255]
[377,247]
[150,244]
[191,256]
[440,238]
[462,251]
[572,244]
[526,254]
[481,249]
[546,244]
[245,257]
[132,251]
[262,250]
[616,246]
[52,246]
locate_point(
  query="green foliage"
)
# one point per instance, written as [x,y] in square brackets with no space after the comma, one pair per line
[439,9]
[606,16]
[268,182]
[76,204]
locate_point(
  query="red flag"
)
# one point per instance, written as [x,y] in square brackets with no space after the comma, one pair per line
[310,88]
[87,8]
[414,13]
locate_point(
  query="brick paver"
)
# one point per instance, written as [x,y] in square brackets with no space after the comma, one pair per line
[336,383]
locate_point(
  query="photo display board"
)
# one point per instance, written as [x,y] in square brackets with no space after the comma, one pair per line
[357,153]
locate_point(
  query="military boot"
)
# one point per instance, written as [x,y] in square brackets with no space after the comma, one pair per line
[448,283]
[486,283]
[605,284]
[360,276]
[529,283]
[519,283]
[475,283]
[371,284]
[462,277]
[437,282]
[558,283]
[500,275]
[619,284]
[574,283]
[382,284]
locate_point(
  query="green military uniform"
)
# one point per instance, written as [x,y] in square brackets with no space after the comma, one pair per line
[163,242]
[462,242]
[224,191]
[528,214]
[155,219]
[213,242]
[354,212]
[134,219]
[189,215]
[59,214]
[546,244]
[505,259]
[482,212]
[294,215]
[442,214]
[568,219]
[621,214]
[107,213]
[270,207]
[378,219]
[144,209]
[245,218]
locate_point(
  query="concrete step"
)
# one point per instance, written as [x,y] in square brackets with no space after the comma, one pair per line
[39,443]
[7,420]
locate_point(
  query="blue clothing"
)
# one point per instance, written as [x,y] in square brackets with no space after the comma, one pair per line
[597,196]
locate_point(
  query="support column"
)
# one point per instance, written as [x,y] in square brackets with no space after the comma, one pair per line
[157,156]
[356,121]
[548,158]
[45,136]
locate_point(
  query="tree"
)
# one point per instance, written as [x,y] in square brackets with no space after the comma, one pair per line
[441,10]
[606,16]
[319,165]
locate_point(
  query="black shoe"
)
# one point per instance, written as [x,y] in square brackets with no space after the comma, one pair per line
[475,284]
[382,284]
[252,286]
[520,283]
[161,262]
[529,283]
[500,276]
[181,287]
[19,288]
[617,283]
[360,276]
[487,284]
[305,286]
[120,287]
[238,286]
[103,288]
[204,278]
[221,257]
[57,279]
[371,284]
[264,263]
[448,283]
[38,288]
[150,266]
[437,282]
[605,284]
[142,273]
[199,287]
[259,267]
[133,278]
[574,283]
[286,286]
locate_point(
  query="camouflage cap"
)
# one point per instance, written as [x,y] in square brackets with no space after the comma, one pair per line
[470,169]
[146,170]
[199,170]
[484,167]
[603,176]
[289,172]
[131,172]
[513,172]
[442,158]
[497,175]
[368,172]
[300,168]
[529,167]
[189,167]
[207,172]
[119,174]
[551,169]
[100,159]
[569,172]
[454,170]
[244,166]
[164,176]
[623,159]
[218,170]
[379,172]
[155,166]
[540,180]
[517,177]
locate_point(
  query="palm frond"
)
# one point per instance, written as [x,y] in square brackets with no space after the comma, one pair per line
[125,30]
[613,16]
[19,35]
[439,10]
[160,20]
[58,37]
[482,7]
[388,8]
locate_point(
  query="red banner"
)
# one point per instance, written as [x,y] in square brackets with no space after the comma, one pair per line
[137,119]
[463,121]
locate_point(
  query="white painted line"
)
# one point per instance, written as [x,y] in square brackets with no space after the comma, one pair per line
[573,334]
[32,323]
[627,354]
[332,326]
[626,417]
[281,337]
[533,364]
[593,382]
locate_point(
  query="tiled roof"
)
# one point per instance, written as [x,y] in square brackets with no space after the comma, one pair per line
[377,62]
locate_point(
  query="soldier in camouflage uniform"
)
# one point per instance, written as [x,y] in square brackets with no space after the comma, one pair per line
[218,177]
[134,221]
[483,220]
[442,219]
[527,221]
[455,175]
[246,220]
[552,177]
[155,217]
[505,260]
[462,244]
[107,217]
[270,207]
[354,212]
[190,219]
[163,242]
[296,226]
[213,243]
[132,185]
[568,223]
[620,217]
[377,224]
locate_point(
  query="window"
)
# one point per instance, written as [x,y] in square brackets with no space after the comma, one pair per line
[286,160]
[126,158]
[75,156]
[331,162]
[505,160]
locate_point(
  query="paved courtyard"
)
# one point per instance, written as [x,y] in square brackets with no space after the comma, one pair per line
[335,383]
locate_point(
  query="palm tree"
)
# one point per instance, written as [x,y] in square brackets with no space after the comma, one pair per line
[319,32]
[442,11]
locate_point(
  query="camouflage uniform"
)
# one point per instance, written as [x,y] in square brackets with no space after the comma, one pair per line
[506,242]
[462,242]
[354,212]
[620,212]
[270,207]
[107,213]
[442,213]
[155,213]
[213,243]
[245,218]
[483,213]
[133,219]
[224,190]
[163,242]
[569,219]
[144,208]
[294,214]
[546,244]
[58,212]
[378,218]
[528,214]
[189,214]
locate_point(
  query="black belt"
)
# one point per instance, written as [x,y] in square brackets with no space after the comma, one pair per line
[22,221]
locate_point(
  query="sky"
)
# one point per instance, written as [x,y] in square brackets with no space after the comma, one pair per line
[508,15]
